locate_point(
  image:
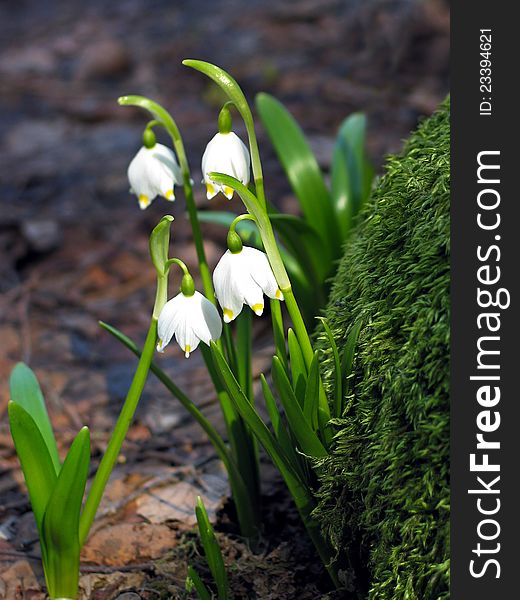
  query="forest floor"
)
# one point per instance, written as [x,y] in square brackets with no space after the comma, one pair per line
[73,248]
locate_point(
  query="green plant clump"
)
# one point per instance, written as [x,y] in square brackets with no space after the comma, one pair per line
[384,490]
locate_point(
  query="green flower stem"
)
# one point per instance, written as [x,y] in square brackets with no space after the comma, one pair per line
[237,220]
[116,441]
[180,263]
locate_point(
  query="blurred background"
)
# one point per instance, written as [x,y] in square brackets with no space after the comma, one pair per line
[73,242]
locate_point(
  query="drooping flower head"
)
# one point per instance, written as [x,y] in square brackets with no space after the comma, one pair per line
[190,317]
[154,171]
[227,154]
[242,276]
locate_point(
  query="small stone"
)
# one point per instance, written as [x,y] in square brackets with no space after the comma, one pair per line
[43,235]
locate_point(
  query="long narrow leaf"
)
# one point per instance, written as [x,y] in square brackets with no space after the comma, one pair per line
[212,550]
[307,439]
[298,368]
[347,359]
[25,391]
[195,581]
[38,469]
[279,429]
[61,520]
[278,332]
[243,347]
[306,246]
[302,170]
[338,379]
[248,412]
[351,173]
[310,403]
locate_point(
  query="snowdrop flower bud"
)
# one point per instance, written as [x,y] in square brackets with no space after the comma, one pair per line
[227,154]
[242,276]
[191,317]
[153,172]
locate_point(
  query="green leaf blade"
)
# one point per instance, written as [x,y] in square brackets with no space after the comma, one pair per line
[347,360]
[281,433]
[194,580]
[338,379]
[298,368]
[309,442]
[37,466]
[212,550]
[312,391]
[26,392]
[351,172]
[301,168]
[61,520]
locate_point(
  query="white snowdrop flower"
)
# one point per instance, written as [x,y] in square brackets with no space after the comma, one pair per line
[243,278]
[192,319]
[227,154]
[154,172]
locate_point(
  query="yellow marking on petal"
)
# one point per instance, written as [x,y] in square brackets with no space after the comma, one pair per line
[187,351]
[228,315]
[279,295]
[144,201]
[210,191]
[258,309]
[228,192]
[169,195]
[160,346]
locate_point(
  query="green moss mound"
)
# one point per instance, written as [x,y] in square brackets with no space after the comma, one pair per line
[384,495]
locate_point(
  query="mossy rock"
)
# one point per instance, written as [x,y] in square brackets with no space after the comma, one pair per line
[384,491]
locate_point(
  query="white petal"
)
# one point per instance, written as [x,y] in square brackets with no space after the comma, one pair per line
[168,321]
[239,157]
[261,272]
[253,295]
[167,170]
[166,157]
[186,337]
[207,324]
[138,176]
[226,279]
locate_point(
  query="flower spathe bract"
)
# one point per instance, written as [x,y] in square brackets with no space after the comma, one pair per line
[192,319]
[154,172]
[243,278]
[227,154]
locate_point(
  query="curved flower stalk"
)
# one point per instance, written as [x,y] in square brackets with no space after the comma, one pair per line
[153,172]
